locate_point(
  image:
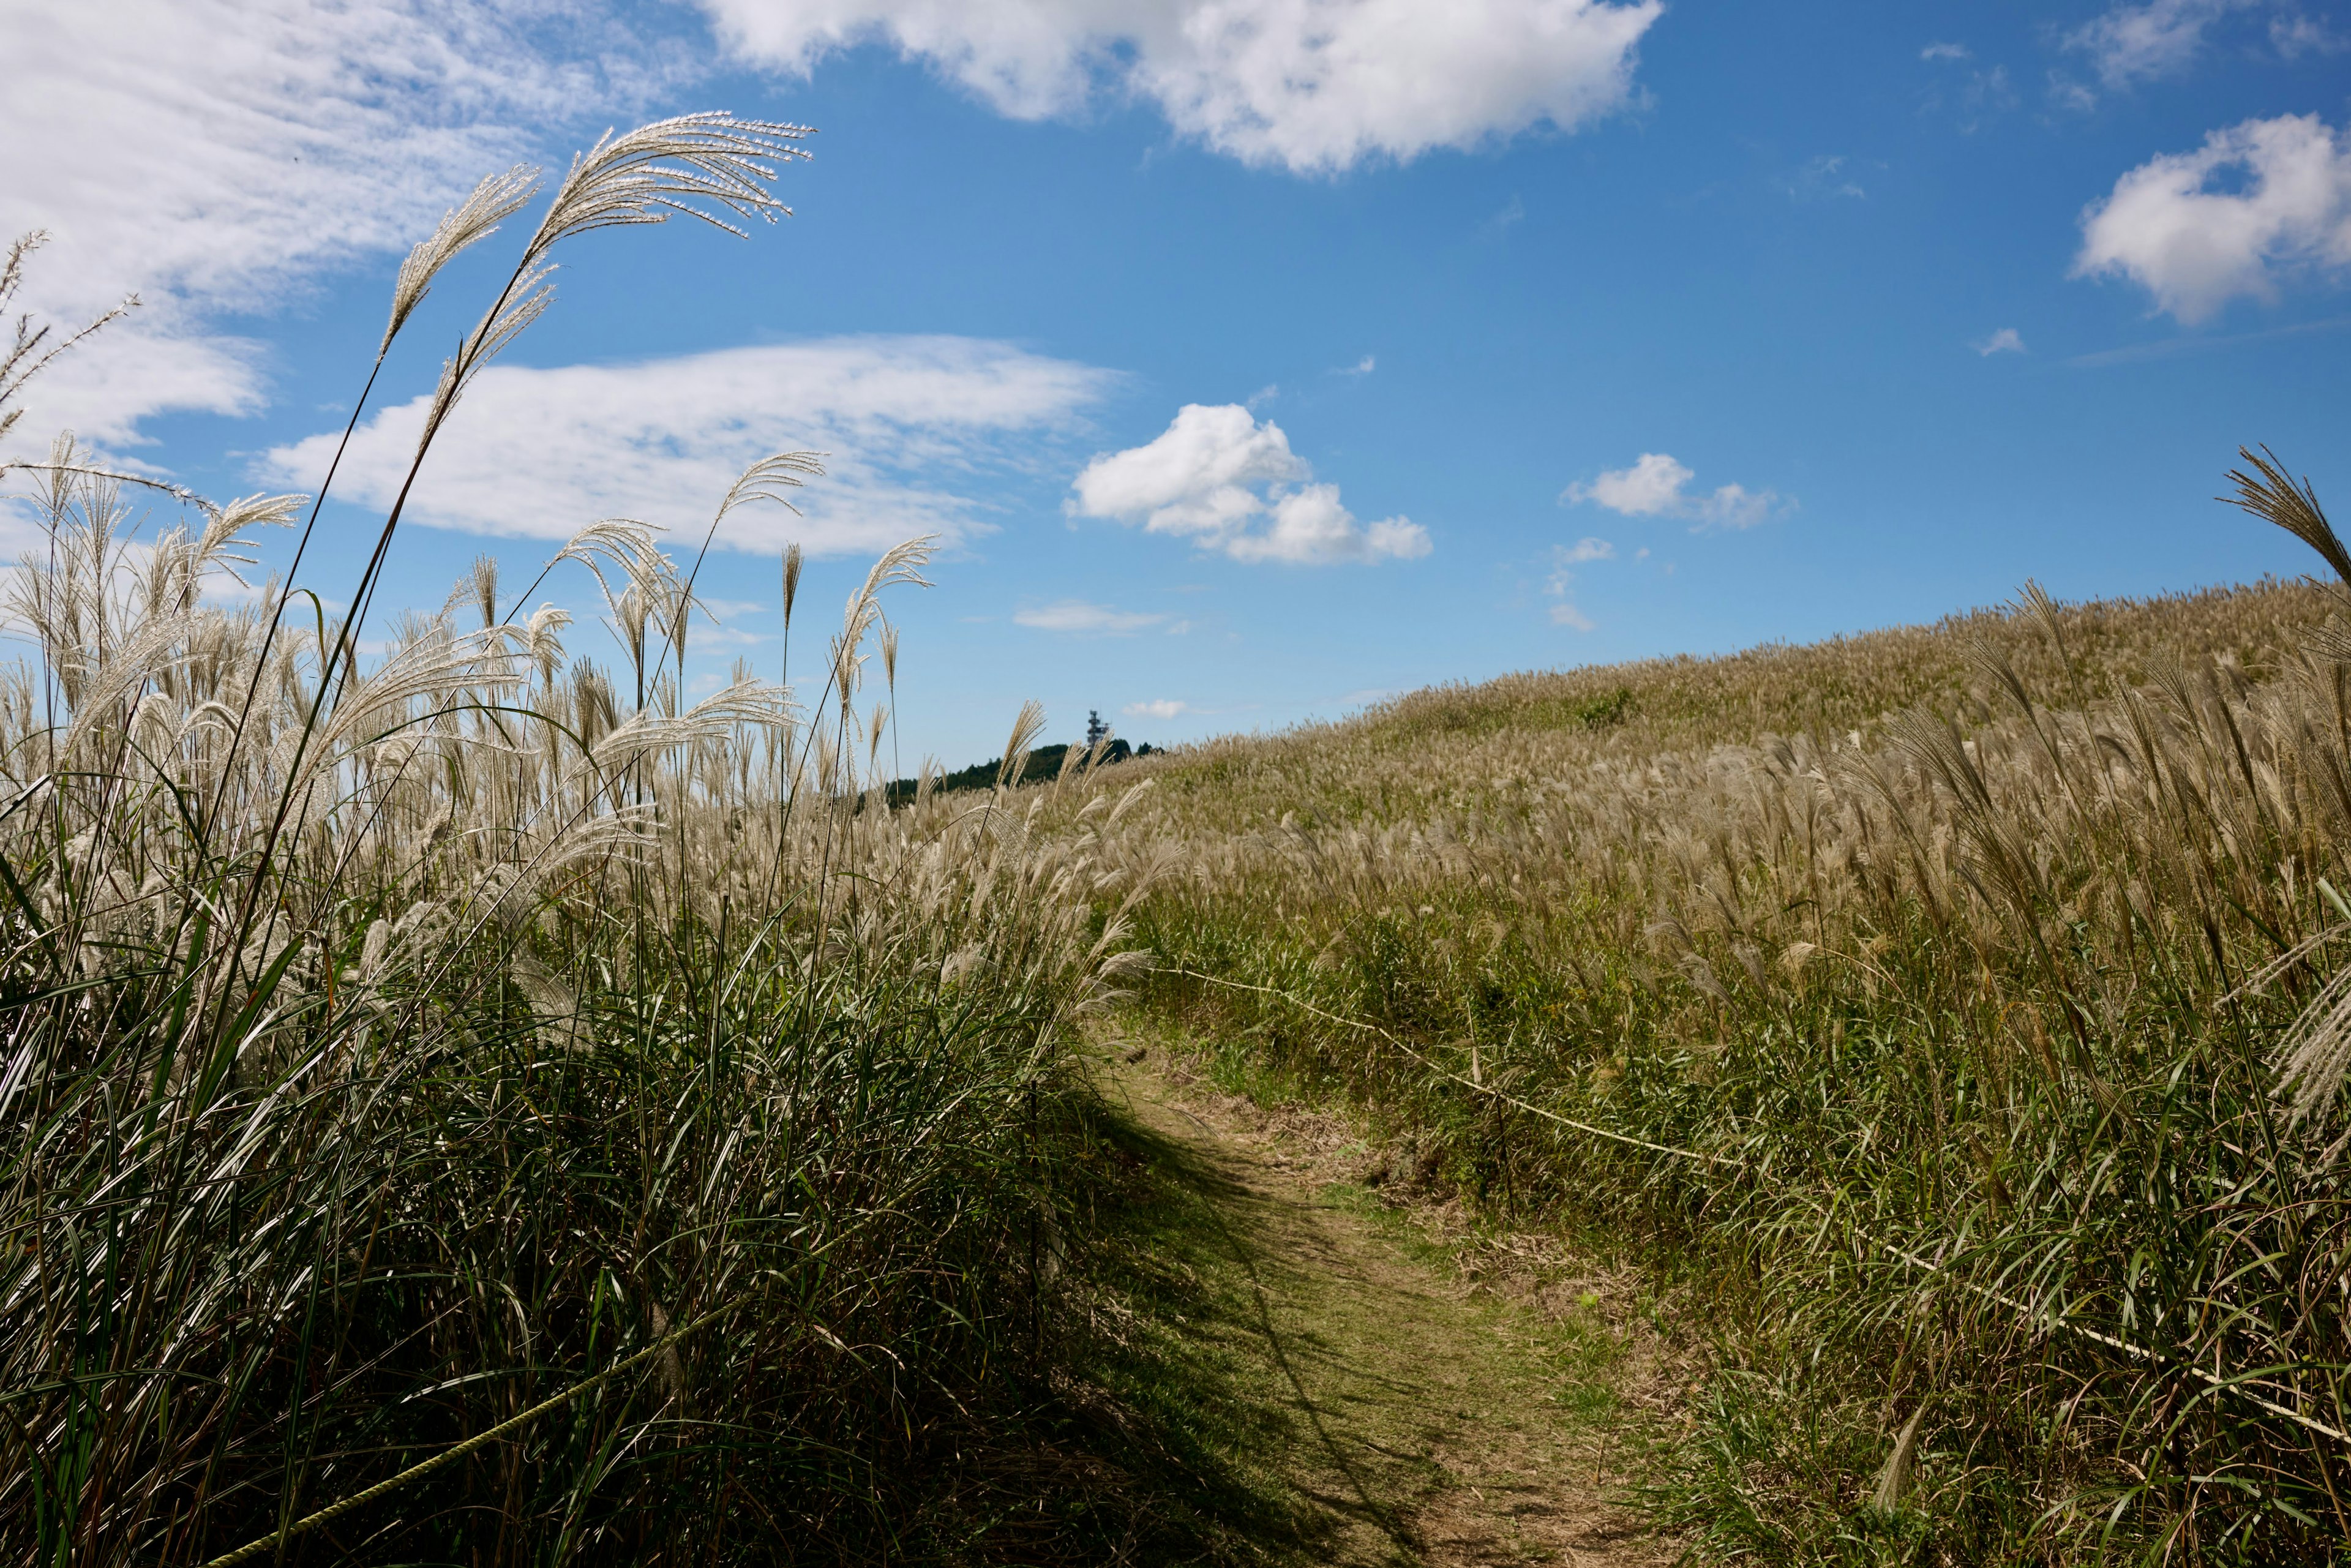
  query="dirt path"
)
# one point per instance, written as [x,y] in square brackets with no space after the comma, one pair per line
[1406,1416]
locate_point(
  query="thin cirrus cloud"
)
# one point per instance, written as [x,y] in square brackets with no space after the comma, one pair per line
[1563,610]
[1309,86]
[216,155]
[1161,708]
[1227,481]
[1078,615]
[2007,340]
[2259,204]
[542,453]
[1658,485]
[2128,44]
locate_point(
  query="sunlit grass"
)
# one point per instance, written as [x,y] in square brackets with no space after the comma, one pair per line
[393,1044]
[1966,953]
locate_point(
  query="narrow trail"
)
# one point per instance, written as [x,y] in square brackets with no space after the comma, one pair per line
[1403,1416]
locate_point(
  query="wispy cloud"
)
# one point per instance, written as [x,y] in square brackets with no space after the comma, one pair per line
[1658,485]
[1078,615]
[1161,708]
[1313,86]
[2259,202]
[222,155]
[1228,481]
[2168,347]
[1564,558]
[1974,93]
[1361,367]
[2134,43]
[906,423]
[2007,340]
[1825,178]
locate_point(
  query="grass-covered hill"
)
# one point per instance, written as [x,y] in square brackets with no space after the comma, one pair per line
[1918,1007]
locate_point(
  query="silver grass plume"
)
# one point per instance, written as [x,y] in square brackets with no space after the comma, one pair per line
[2274,497]
[25,357]
[475,218]
[769,479]
[901,563]
[1015,745]
[701,165]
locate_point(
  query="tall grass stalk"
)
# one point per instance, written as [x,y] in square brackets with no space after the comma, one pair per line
[388,1046]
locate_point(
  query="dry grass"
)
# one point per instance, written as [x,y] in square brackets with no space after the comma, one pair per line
[390,1045]
[1968,954]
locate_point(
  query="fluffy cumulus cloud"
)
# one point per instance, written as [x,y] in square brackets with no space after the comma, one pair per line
[542,453]
[1313,86]
[2258,203]
[218,154]
[2007,340]
[1223,479]
[1078,615]
[1656,485]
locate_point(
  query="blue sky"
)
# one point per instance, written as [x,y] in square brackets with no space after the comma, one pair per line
[1251,360]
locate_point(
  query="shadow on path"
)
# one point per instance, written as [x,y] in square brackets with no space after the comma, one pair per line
[1285,1377]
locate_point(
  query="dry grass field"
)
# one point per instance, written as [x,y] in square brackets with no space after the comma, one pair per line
[1949,1020]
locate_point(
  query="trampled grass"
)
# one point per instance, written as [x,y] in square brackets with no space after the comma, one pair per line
[1947,979]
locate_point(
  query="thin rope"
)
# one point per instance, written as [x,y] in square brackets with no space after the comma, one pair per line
[1456,1077]
[276,1538]
[2138,1352]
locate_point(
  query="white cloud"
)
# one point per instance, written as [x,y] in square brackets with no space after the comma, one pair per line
[2007,340]
[1975,93]
[542,453]
[1215,472]
[2282,205]
[1564,612]
[1077,615]
[1312,86]
[1361,367]
[218,154]
[2155,39]
[1652,486]
[1656,485]
[1162,708]
[1825,178]
[2294,36]
[725,609]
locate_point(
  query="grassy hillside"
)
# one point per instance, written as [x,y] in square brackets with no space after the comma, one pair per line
[1918,1007]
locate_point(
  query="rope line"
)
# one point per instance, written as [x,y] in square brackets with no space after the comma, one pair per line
[1456,1077]
[2137,1351]
[332,1511]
